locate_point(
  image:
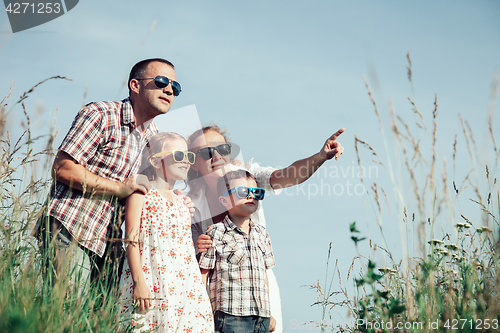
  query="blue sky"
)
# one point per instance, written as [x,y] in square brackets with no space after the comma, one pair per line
[281,76]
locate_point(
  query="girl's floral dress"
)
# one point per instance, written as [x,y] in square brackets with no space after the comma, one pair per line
[170,268]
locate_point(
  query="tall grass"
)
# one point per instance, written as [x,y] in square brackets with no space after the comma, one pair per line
[445,275]
[32,297]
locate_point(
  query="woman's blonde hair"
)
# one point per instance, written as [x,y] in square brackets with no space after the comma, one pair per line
[156,145]
[194,177]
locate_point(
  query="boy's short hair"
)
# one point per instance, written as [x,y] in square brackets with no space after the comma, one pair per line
[223,184]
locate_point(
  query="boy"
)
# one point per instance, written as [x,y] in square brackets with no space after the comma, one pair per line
[240,254]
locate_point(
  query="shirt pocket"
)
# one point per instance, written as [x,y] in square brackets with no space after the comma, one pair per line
[234,253]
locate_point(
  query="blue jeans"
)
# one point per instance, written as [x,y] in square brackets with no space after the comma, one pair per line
[226,323]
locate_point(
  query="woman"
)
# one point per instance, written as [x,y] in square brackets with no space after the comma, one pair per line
[215,157]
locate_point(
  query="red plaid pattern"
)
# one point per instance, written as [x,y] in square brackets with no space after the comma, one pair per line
[239,262]
[104,139]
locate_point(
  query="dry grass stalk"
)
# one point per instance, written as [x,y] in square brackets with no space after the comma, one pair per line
[466,137]
[410,72]
[417,111]
[375,190]
[26,93]
[370,96]
[366,144]
[386,200]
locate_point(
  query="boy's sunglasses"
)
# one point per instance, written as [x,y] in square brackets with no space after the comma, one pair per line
[243,192]
[163,81]
[178,155]
[208,152]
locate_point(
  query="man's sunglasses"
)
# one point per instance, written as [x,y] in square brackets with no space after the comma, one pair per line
[163,81]
[243,192]
[178,155]
[208,152]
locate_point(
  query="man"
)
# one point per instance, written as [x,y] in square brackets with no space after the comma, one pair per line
[96,167]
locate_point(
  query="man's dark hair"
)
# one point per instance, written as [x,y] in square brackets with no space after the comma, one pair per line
[138,70]
[223,184]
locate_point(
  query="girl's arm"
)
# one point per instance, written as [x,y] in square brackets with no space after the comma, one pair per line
[142,295]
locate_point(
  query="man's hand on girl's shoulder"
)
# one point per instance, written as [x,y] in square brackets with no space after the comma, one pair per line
[134,183]
[187,201]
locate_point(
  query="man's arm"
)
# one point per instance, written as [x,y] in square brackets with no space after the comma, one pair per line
[301,170]
[66,170]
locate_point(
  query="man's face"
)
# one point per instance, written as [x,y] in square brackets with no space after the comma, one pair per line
[153,101]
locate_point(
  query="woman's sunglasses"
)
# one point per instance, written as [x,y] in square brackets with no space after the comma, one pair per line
[178,155]
[208,152]
[163,81]
[243,192]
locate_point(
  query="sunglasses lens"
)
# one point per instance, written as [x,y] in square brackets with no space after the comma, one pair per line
[176,88]
[161,82]
[178,156]
[258,193]
[242,192]
[224,149]
[191,157]
[206,153]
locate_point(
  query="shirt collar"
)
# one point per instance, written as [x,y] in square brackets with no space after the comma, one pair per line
[128,117]
[127,112]
[231,226]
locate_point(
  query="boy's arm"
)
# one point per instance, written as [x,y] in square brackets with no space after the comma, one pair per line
[272,323]
[142,295]
[299,171]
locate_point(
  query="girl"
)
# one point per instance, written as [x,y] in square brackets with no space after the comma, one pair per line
[161,287]
[215,157]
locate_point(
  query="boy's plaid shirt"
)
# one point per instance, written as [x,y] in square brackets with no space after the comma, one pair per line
[103,138]
[239,262]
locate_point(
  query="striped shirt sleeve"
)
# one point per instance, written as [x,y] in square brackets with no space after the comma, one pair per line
[85,135]
[268,252]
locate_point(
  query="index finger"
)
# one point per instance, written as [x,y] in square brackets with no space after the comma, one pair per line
[337,134]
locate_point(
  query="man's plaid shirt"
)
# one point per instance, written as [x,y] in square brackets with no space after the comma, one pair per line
[239,262]
[104,139]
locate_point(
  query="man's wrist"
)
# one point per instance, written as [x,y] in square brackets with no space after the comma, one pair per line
[117,190]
